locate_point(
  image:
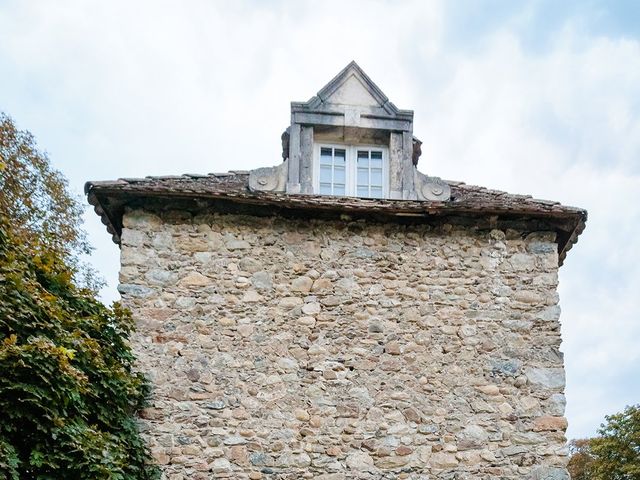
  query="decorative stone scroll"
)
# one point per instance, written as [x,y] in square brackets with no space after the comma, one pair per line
[269,179]
[431,188]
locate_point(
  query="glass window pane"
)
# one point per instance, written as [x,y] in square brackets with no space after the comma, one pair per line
[339,156]
[338,174]
[376,155]
[325,174]
[376,163]
[325,156]
[325,188]
[376,176]
[338,189]
[363,158]
[376,192]
[363,192]
[363,176]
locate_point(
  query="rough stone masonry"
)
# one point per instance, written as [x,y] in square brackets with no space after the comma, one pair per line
[288,348]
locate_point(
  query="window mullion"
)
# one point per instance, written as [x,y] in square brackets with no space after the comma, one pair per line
[353,170]
[369,173]
[333,166]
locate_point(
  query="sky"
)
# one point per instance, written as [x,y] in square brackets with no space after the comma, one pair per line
[536,97]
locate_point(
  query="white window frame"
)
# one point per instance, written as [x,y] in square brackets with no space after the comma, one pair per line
[351,167]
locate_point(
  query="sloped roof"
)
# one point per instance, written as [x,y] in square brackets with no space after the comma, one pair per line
[482,207]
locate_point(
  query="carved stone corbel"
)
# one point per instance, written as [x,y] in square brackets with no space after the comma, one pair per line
[431,188]
[269,179]
[285,138]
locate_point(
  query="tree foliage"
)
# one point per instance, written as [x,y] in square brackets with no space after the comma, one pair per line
[616,450]
[581,459]
[614,454]
[36,198]
[68,392]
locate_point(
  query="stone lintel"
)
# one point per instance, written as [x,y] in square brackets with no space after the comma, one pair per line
[340,120]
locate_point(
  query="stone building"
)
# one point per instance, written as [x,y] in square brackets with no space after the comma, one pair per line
[342,315]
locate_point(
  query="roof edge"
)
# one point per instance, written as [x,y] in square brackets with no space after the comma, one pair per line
[109,198]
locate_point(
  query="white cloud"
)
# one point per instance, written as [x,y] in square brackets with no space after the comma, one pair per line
[117,89]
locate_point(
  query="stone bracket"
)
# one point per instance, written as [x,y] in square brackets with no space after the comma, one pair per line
[269,179]
[431,188]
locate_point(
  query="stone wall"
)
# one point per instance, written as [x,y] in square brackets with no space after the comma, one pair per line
[287,349]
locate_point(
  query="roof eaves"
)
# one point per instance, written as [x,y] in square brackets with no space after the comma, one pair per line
[466,200]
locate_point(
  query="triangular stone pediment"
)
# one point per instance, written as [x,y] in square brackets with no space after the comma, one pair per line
[353,92]
[351,99]
[353,88]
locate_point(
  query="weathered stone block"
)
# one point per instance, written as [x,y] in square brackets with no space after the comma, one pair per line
[549,423]
[546,377]
[550,473]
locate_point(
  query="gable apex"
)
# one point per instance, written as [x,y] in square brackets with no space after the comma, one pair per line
[353,76]
[352,86]
[353,92]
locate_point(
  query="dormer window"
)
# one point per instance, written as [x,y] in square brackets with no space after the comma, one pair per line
[350,170]
[350,140]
